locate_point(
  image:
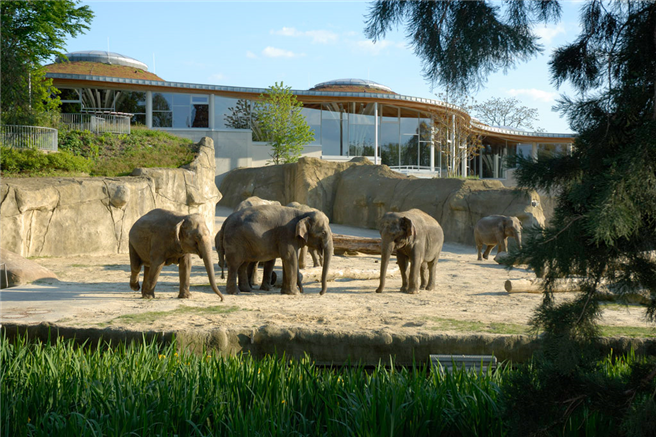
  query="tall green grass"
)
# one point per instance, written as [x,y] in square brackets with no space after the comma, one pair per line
[143,389]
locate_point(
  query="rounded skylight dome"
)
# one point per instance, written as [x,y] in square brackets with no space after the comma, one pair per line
[104,57]
[338,84]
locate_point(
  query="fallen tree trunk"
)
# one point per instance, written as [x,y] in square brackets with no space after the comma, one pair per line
[535,285]
[348,243]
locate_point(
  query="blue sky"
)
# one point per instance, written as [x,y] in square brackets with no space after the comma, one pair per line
[301,43]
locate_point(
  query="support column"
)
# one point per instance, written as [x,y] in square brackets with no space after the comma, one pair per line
[534,151]
[149,109]
[211,110]
[463,161]
[376,125]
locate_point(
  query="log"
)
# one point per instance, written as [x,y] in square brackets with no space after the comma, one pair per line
[535,285]
[348,243]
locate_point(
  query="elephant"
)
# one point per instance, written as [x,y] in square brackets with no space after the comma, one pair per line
[218,241]
[317,259]
[162,237]
[494,230]
[266,232]
[418,238]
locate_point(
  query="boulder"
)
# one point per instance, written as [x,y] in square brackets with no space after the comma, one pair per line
[20,270]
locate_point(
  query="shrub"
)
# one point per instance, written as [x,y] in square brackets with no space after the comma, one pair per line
[31,162]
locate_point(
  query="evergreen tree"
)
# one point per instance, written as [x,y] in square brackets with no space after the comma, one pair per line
[604,225]
[282,124]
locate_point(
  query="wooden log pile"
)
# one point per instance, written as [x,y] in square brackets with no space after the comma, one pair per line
[349,244]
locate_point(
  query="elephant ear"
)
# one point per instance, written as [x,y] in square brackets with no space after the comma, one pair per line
[303,228]
[178,232]
[408,227]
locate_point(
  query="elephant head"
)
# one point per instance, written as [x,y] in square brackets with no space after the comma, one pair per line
[512,227]
[314,230]
[396,231]
[193,236]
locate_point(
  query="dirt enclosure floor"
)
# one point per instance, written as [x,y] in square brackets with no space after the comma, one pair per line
[349,320]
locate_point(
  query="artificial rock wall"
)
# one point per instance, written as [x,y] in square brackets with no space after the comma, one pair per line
[358,193]
[93,216]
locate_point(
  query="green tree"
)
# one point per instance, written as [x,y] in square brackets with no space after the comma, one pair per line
[508,112]
[32,32]
[282,124]
[604,225]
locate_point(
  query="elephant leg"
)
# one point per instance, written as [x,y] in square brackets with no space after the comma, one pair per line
[414,280]
[135,269]
[402,261]
[432,271]
[503,245]
[479,248]
[488,249]
[316,258]
[251,272]
[184,270]
[243,277]
[231,283]
[289,271]
[299,281]
[302,254]
[267,275]
[424,275]
[151,275]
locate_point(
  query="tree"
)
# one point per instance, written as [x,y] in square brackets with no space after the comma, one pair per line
[32,32]
[507,112]
[604,225]
[278,115]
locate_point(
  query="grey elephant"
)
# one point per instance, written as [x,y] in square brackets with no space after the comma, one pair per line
[163,237]
[263,233]
[317,260]
[494,230]
[418,239]
[218,240]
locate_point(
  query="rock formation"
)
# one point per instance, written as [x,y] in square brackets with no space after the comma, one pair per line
[78,216]
[358,193]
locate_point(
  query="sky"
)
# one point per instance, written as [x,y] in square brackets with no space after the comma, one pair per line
[300,43]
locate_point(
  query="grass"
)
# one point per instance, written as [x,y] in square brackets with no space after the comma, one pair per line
[442,324]
[153,316]
[146,389]
[88,154]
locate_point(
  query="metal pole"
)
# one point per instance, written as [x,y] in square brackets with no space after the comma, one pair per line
[376,124]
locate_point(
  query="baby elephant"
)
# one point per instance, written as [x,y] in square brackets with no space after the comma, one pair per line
[162,238]
[494,230]
[418,238]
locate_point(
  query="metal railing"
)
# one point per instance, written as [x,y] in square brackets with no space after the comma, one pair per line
[29,137]
[98,123]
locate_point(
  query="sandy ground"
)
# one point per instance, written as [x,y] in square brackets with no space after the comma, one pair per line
[470,297]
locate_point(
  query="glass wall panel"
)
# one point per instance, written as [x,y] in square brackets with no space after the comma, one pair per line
[409,141]
[551,150]
[181,116]
[388,136]
[313,119]
[334,129]
[232,113]
[133,102]
[162,119]
[424,142]
[362,129]
[162,110]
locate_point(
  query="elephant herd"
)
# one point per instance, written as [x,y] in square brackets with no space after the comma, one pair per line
[260,231]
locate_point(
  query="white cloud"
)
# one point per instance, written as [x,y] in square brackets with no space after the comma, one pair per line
[217,77]
[273,52]
[535,94]
[375,48]
[317,36]
[549,32]
[251,55]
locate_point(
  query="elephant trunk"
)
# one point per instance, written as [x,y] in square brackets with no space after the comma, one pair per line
[205,252]
[327,256]
[518,237]
[387,246]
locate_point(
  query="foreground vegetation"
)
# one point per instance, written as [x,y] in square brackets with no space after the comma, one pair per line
[147,390]
[82,153]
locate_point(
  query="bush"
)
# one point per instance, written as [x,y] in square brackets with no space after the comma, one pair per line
[31,162]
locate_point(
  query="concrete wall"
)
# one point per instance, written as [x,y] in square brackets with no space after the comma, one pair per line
[93,216]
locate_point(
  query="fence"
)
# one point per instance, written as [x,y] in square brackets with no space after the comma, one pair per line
[98,123]
[29,137]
